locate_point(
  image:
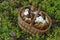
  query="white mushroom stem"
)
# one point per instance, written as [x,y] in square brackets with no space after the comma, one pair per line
[40,19]
[27,18]
[26,12]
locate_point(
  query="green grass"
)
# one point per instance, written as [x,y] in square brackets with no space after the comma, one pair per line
[9,18]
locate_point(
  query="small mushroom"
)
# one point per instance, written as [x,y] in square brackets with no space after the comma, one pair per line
[26,11]
[28,20]
[40,23]
[39,26]
[40,19]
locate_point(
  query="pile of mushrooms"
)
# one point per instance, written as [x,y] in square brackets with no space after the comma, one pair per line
[35,17]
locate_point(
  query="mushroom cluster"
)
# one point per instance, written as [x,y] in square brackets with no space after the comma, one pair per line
[41,23]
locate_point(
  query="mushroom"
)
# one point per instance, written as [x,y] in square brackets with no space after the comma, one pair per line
[41,23]
[39,26]
[40,19]
[28,20]
[26,12]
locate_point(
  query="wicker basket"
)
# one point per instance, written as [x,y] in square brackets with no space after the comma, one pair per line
[29,28]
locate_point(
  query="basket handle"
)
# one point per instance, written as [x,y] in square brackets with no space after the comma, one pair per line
[34,17]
